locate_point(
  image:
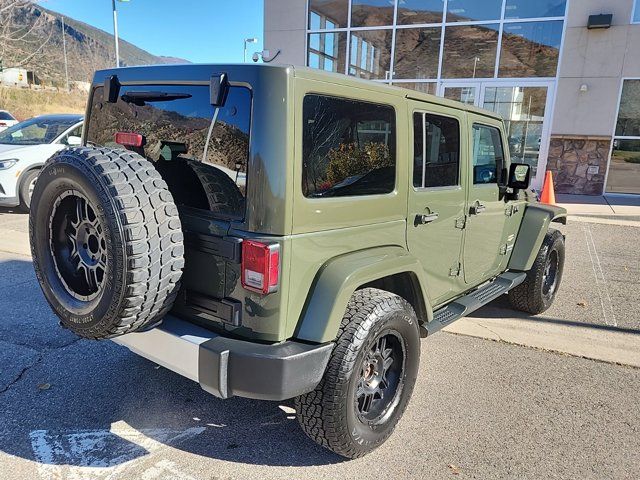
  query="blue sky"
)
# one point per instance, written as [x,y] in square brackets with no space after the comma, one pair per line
[200,31]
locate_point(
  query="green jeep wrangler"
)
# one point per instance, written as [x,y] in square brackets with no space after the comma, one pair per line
[277,232]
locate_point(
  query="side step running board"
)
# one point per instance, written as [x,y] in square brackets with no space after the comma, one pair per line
[463,306]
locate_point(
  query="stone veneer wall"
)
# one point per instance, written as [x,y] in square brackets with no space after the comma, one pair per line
[570,157]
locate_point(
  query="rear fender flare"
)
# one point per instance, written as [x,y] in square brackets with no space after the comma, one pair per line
[340,277]
[534,227]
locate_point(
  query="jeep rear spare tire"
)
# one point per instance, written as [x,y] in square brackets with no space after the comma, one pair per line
[106,241]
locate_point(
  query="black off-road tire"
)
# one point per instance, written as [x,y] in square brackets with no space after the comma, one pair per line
[24,189]
[535,294]
[222,193]
[329,414]
[140,241]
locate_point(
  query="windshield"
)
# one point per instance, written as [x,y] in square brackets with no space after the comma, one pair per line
[5,116]
[35,131]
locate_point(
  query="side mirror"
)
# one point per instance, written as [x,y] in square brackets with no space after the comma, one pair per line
[74,141]
[519,176]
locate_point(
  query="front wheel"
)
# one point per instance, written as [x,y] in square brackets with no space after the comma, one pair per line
[369,379]
[537,292]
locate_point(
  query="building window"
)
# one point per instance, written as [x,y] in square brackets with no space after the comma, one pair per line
[349,147]
[422,87]
[327,51]
[416,53]
[624,167]
[436,145]
[530,49]
[371,13]
[429,40]
[473,10]
[411,12]
[323,13]
[470,51]
[370,56]
[529,9]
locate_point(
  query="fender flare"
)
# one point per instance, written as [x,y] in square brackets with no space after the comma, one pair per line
[340,277]
[533,228]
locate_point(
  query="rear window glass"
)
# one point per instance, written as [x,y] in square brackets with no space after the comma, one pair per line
[205,168]
[349,147]
[6,116]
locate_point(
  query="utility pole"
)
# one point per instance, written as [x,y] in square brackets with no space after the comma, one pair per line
[64,49]
[115,31]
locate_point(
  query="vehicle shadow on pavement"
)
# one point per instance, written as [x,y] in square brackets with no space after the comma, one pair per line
[71,402]
[15,210]
[500,308]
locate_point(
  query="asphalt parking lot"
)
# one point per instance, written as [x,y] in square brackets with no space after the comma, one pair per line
[481,409]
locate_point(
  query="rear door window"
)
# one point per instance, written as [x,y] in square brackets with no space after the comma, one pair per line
[436,151]
[175,123]
[349,147]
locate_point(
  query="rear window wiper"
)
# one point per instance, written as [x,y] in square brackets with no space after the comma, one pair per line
[139,98]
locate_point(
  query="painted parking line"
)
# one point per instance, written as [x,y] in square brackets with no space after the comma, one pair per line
[601,282]
[106,453]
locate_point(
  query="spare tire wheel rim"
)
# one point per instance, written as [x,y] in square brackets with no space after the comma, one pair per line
[78,246]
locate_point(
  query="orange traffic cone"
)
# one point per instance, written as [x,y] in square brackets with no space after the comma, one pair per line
[548,195]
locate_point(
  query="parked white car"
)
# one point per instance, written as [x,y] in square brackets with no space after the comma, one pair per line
[6,120]
[25,147]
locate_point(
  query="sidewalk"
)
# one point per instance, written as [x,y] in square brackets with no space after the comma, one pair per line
[600,205]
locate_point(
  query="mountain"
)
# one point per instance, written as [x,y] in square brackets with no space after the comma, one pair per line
[31,38]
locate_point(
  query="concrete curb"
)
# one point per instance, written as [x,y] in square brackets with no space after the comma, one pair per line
[588,341]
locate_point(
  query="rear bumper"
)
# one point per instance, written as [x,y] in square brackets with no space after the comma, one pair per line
[226,367]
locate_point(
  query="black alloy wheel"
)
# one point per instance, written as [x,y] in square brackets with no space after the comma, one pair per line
[78,245]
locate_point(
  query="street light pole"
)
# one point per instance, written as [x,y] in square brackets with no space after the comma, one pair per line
[115,31]
[64,49]
[248,40]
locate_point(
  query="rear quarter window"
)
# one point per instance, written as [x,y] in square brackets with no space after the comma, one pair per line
[175,123]
[349,147]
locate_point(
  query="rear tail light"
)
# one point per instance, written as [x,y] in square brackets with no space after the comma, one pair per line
[2,124]
[260,266]
[129,139]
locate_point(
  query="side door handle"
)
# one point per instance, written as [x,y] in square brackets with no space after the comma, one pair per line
[424,219]
[477,208]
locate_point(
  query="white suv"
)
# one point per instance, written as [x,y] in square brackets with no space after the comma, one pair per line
[6,120]
[25,147]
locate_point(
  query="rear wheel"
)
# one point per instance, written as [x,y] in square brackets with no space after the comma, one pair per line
[369,378]
[537,293]
[106,241]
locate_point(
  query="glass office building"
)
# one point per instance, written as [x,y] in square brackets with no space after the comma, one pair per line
[513,57]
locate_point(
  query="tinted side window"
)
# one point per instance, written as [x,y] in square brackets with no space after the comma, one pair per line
[488,156]
[349,147]
[436,151]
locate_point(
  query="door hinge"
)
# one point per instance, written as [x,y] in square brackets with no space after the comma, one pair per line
[456,270]
[511,210]
[506,248]
[461,222]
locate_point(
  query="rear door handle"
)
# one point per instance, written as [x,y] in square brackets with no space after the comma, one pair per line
[477,209]
[424,219]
